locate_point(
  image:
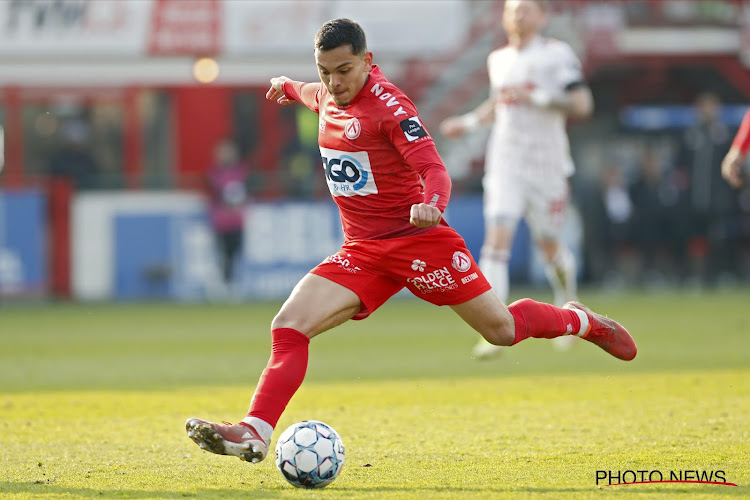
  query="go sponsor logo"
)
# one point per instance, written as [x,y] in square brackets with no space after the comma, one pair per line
[348,173]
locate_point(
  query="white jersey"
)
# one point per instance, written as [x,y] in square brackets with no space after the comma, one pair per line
[529,140]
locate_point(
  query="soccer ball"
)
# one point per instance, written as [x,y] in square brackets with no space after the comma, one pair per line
[309,454]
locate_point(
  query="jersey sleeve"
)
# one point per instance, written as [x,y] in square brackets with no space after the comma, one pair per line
[306,93]
[742,138]
[437,182]
[405,131]
[569,70]
[409,136]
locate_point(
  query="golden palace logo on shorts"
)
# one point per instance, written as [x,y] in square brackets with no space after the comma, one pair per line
[440,280]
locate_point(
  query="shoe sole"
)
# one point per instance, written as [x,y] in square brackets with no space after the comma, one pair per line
[488,351]
[564,343]
[619,331]
[209,439]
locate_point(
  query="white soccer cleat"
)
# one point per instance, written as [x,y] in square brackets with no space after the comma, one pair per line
[485,350]
[564,343]
[238,440]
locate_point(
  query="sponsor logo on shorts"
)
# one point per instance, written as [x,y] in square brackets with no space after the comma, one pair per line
[418,265]
[439,280]
[460,262]
[468,278]
[342,262]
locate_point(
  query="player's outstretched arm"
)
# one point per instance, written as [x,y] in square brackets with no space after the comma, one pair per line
[576,102]
[276,92]
[581,103]
[456,126]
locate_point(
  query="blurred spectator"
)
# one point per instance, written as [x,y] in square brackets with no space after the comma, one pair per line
[73,160]
[612,226]
[228,191]
[712,207]
[658,229]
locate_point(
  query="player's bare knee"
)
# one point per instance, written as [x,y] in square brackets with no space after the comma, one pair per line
[285,320]
[506,336]
[502,332]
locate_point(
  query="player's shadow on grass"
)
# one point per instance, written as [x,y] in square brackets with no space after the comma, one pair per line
[42,489]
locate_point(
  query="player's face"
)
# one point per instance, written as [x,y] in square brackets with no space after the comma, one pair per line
[343,73]
[522,17]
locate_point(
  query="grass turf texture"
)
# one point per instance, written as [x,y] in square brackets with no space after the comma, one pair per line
[93,399]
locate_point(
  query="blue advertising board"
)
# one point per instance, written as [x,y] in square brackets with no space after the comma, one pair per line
[23,243]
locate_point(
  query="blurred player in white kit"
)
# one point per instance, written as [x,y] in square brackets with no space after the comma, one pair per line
[536,83]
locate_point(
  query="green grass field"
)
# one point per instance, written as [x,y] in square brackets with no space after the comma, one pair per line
[93,400]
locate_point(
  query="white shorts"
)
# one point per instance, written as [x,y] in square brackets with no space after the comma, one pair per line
[543,202]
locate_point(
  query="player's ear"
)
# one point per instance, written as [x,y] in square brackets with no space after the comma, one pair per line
[367,58]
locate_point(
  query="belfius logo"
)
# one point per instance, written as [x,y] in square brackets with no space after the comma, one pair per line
[628,477]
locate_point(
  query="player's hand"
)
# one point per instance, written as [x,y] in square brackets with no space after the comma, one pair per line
[731,167]
[424,215]
[515,95]
[276,92]
[453,127]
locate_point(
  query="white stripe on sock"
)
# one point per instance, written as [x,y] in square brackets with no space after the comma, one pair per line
[264,428]
[584,323]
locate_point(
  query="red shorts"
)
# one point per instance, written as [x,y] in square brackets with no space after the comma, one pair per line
[434,266]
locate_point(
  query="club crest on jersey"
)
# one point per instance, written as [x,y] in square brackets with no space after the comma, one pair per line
[413,129]
[352,129]
[460,262]
[348,173]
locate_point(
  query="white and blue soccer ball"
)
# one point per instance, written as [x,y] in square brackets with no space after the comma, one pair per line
[310,454]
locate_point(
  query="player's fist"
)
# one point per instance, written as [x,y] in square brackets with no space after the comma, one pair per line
[276,92]
[453,127]
[424,215]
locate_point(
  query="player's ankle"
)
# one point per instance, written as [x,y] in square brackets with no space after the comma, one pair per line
[263,428]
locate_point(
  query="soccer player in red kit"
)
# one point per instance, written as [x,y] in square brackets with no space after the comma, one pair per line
[391,188]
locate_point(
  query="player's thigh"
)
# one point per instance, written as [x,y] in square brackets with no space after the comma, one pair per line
[547,208]
[498,235]
[504,205]
[488,315]
[315,305]
[549,246]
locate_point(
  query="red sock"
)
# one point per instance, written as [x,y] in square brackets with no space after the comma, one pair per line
[540,320]
[283,375]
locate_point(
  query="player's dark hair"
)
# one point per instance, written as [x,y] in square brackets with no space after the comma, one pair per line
[338,32]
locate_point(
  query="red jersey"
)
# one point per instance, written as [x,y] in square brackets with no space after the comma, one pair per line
[365,149]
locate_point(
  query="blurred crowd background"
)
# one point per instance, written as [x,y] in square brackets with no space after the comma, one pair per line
[139,158]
